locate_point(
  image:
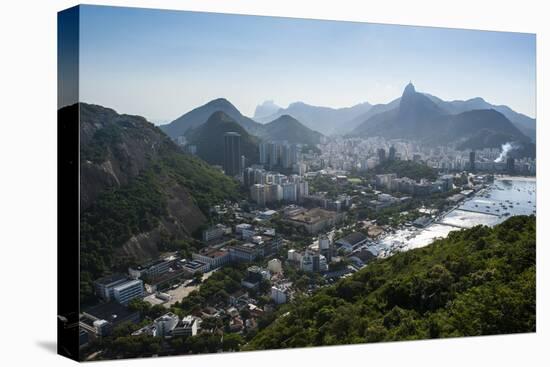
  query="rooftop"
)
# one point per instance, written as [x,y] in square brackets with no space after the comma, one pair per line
[194,264]
[111,311]
[167,316]
[151,264]
[213,251]
[128,284]
[364,255]
[111,279]
[167,276]
[186,322]
[353,238]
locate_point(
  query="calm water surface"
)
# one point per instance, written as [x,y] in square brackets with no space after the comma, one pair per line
[507,196]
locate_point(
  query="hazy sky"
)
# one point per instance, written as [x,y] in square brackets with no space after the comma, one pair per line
[161,64]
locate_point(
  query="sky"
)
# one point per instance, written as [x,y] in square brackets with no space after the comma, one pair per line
[161,64]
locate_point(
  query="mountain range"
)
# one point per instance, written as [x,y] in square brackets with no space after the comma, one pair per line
[208,137]
[414,115]
[200,115]
[280,128]
[326,120]
[341,121]
[525,124]
[287,128]
[472,124]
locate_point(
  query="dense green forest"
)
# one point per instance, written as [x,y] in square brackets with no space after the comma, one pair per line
[479,281]
[410,169]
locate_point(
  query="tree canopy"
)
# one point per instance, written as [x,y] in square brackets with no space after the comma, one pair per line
[479,281]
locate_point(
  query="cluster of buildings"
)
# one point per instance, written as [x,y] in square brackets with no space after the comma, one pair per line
[312,220]
[490,160]
[247,244]
[315,258]
[269,187]
[123,288]
[320,199]
[390,182]
[279,154]
[384,200]
[363,154]
[348,154]
[325,251]
[171,325]
[119,288]
[100,320]
[223,244]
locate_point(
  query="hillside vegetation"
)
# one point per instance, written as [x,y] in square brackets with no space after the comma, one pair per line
[141,193]
[479,281]
[209,139]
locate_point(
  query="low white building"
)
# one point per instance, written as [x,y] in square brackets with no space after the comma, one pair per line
[164,324]
[213,257]
[188,326]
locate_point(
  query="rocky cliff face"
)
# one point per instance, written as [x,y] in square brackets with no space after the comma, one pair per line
[182,218]
[137,190]
[114,149]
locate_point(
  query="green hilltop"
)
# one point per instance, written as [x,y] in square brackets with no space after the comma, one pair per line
[209,139]
[479,281]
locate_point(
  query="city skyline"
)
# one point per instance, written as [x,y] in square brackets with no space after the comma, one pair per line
[139,61]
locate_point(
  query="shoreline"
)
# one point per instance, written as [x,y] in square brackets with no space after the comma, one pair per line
[384,251]
[517,178]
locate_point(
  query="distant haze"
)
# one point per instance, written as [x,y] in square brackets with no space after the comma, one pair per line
[161,64]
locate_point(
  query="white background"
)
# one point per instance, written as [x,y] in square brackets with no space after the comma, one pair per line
[28,182]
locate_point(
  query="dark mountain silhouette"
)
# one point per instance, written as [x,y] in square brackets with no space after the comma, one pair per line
[374,110]
[288,128]
[326,120]
[199,115]
[525,124]
[209,139]
[278,129]
[418,117]
[411,119]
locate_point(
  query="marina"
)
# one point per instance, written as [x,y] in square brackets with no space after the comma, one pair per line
[505,197]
